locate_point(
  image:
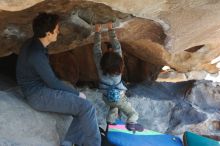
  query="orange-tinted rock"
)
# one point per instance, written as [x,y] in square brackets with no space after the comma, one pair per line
[142,40]
[65,66]
[78,66]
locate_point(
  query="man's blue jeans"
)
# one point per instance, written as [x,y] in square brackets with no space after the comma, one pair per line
[84,127]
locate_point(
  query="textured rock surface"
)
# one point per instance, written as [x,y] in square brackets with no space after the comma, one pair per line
[187,25]
[187,111]
[163,107]
[173,76]
[78,65]
[184,35]
[20,125]
[76,39]
[14,5]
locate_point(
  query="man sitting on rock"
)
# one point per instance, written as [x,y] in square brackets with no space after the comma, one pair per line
[46,93]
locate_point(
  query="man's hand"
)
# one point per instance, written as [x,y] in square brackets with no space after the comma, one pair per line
[82,95]
[98,27]
[109,25]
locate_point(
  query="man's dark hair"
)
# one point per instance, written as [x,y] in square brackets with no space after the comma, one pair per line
[111,63]
[43,23]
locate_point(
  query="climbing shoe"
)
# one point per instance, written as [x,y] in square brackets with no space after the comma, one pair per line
[134,127]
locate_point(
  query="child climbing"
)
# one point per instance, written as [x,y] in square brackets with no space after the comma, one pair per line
[110,67]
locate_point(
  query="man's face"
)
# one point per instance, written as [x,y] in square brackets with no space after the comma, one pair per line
[53,36]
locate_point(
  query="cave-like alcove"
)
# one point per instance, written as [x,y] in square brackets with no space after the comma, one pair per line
[8,66]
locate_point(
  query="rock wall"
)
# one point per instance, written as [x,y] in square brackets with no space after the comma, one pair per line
[21,125]
[73,50]
[163,107]
[187,25]
[183,35]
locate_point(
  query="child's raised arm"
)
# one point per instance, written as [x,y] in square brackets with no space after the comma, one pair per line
[116,46]
[97,51]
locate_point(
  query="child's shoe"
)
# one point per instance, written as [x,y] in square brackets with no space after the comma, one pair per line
[134,127]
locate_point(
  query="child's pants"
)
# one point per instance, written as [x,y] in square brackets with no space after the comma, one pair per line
[124,106]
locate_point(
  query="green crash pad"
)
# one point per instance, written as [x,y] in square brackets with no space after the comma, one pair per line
[192,139]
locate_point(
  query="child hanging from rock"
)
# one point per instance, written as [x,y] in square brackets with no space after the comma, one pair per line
[110,66]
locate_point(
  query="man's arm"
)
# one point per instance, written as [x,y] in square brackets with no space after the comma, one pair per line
[41,65]
[114,40]
[97,51]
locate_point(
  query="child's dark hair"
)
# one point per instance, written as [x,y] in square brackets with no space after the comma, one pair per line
[43,23]
[111,63]
[108,45]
